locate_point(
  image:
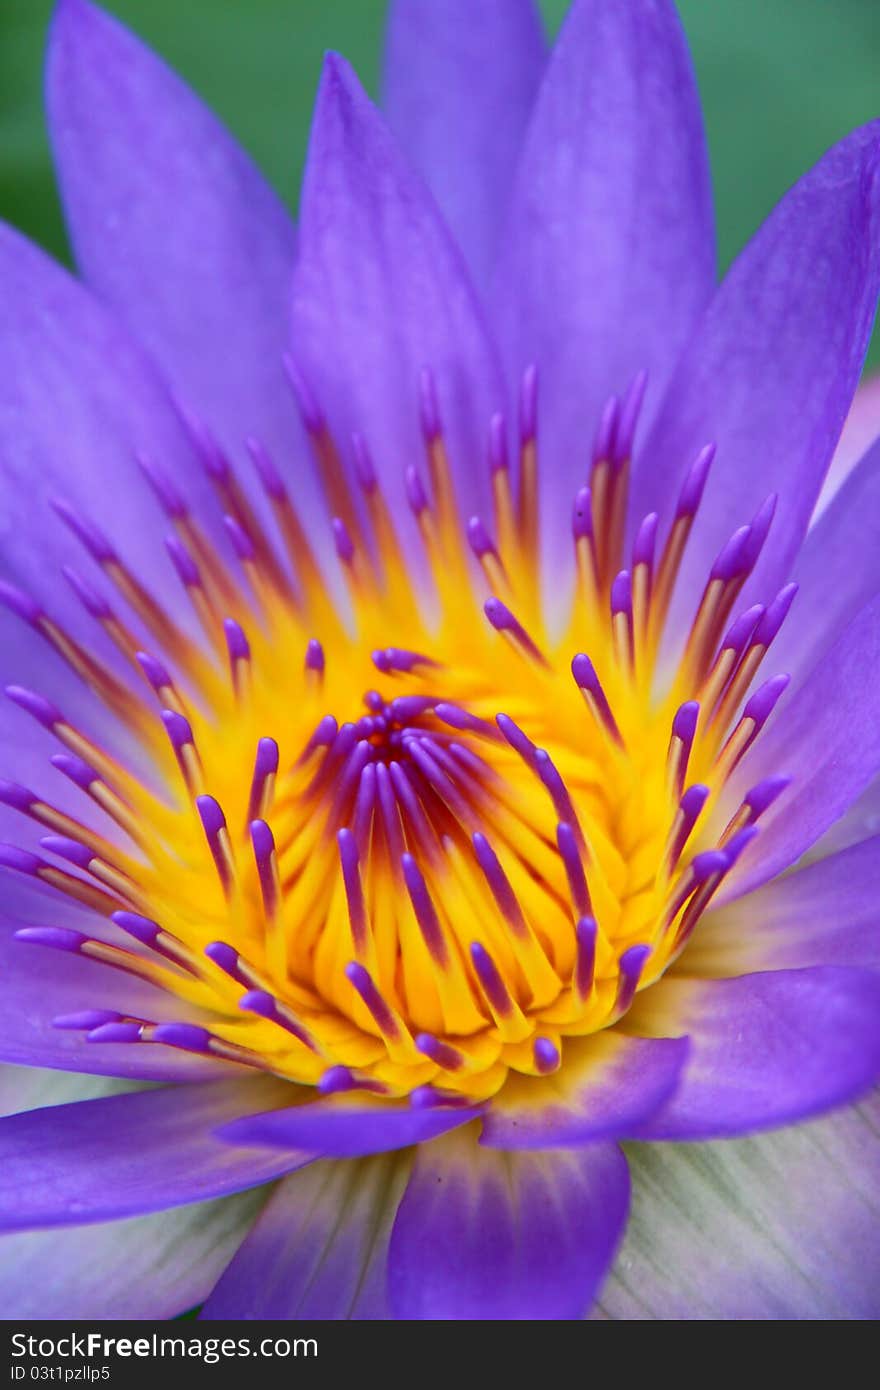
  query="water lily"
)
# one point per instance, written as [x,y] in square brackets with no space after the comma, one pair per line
[441,747]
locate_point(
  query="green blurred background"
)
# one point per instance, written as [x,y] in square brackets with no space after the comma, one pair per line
[780,79]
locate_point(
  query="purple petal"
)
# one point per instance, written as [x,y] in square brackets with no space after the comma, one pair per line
[825,914]
[38,984]
[861,428]
[609,254]
[380,293]
[861,822]
[782,1226]
[838,569]
[344,1128]
[771,369]
[766,1049]
[302,1261]
[59,344]
[488,1236]
[135,146]
[126,1155]
[460,80]
[827,737]
[148,1267]
[604,1088]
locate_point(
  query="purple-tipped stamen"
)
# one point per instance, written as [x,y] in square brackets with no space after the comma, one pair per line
[59,938]
[37,706]
[86,532]
[628,420]
[631,966]
[528,404]
[588,683]
[547,1056]
[87,1020]
[354,893]
[445,1056]
[415,491]
[491,983]
[263,844]
[242,543]
[20,603]
[425,912]
[429,411]
[75,769]
[237,644]
[691,494]
[498,457]
[342,540]
[500,886]
[94,602]
[503,620]
[586,934]
[68,849]
[566,840]
[375,1005]
[169,499]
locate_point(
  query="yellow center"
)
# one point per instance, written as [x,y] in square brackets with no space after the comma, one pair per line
[453,854]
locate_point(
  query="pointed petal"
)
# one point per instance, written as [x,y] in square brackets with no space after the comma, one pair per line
[381,292]
[605,1087]
[320,1247]
[342,1127]
[825,914]
[827,738]
[860,822]
[838,569]
[460,80]
[860,430]
[766,1049]
[126,1155]
[59,345]
[482,1235]
[609,254]
[782,1226]
[770,371]
[147,1267]
[210,298]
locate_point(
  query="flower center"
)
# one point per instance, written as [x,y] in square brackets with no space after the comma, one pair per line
[410,868]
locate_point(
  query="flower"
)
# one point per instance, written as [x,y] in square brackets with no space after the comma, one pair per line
[420,814]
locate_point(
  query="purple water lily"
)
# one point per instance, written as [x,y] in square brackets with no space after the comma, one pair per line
[443,742]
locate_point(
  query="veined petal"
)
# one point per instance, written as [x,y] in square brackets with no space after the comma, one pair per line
[134,145]
[59,345]
[781,1226]
[609,252]
[609,1083]
[380,293]
[156,1266]
[826,914]
[126,1155]
[766,1049]
[770,370]
[301,1260]
[342,1127]
[828,740]
[460,80]
[482,1235]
